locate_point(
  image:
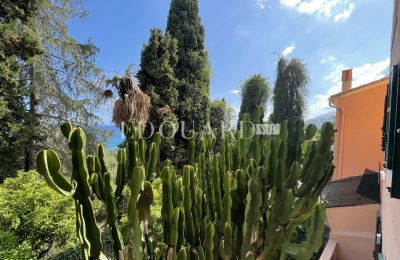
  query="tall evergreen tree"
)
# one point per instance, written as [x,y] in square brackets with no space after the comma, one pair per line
[48,88]
[18,46]
[290,90]
[61,82]
[193,68]
[156,75]
[255,93]
[157,79]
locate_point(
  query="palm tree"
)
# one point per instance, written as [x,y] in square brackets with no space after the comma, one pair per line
[132,103]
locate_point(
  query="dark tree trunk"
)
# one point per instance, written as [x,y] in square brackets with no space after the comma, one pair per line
[31,124]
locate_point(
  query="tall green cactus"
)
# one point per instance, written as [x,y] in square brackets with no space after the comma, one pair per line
[90,176]
[255,192]
[244,201]
[48,164]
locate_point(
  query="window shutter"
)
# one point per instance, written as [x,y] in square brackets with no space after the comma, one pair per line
[390,116]
[394,132]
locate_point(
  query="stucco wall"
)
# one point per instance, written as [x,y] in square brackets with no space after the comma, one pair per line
[354,230]
[359,120]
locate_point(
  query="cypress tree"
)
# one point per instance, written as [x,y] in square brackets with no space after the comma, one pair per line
[290,89]
[255,93]
[193,68]
[157,79]
[156,75]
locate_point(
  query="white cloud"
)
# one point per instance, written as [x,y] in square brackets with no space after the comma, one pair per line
[345,14]
[339,9]
[330,59]
[235,91]
[261,3]
[363,74]
[289,49]
[290,3]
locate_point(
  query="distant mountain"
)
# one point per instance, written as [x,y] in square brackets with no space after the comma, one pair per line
[319,120]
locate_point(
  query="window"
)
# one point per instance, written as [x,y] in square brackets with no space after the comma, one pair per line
[391,130]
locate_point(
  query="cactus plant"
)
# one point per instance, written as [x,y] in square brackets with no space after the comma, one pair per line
[243,201]
[90,176]
[255,192]
[48,164]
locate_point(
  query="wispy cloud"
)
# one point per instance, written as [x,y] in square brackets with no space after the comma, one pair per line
[288,50]
[330,59]
[345,14]
[361,75]
[261,3]
[235,91]
[340,10]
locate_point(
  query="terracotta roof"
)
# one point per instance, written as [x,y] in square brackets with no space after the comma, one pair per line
[370,84]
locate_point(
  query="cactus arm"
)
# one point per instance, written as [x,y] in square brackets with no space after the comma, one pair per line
[120,179]
[118,243]
[77,144]
[187,206]
[91,232]
[167,206]
[144,202]
[285,207]
[48,165]
[228,241]
[209,241]
[66,129]
[133,213]
[227,198]
[142,151]
[152,162]
[100,154]
[216,181]
[252,218]
[182,255]
[146,199]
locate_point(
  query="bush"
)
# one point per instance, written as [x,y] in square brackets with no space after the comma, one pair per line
[11,248]
[34,217]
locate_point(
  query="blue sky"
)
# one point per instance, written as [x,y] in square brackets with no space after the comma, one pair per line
[245,37]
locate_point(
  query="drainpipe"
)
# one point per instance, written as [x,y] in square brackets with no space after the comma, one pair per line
[347,77]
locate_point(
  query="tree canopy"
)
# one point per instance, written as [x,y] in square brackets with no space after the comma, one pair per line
[19,44]
[193,68]
[290,90]
[47,76]
[255,93]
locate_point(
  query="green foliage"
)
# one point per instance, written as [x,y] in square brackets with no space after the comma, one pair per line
[255,93]
[221,118]
[46,76]
[72,253]
[158,80]
[193,68]
[11,247]
[156,75]
[18,45]
[34,218]
[290,89]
